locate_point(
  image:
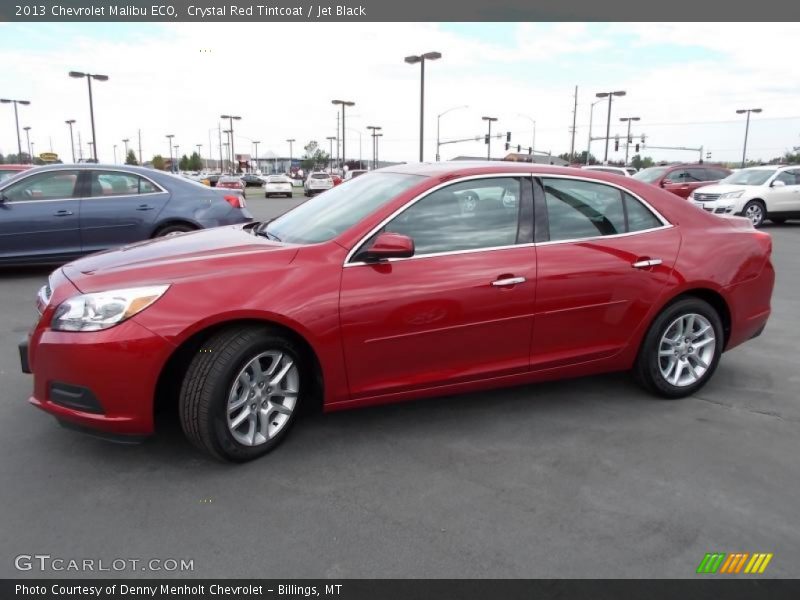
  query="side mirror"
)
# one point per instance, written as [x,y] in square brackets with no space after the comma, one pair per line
[777,183]
[388,245]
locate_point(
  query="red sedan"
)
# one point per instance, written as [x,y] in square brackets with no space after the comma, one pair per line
[411,281]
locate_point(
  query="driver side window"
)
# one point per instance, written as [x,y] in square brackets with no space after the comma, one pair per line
[53,185]
[471,215]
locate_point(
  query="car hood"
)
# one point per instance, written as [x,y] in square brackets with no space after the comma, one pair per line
[724,188]
[197,254]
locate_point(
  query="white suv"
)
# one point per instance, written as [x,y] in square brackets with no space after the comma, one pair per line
[317,181]
[758,193]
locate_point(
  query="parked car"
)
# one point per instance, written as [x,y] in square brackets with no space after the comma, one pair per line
[385,289]
[251,180]
[278,185]
[682,180]
[210,180]
[758,193]
[9,171]
[231,182]
[55,213]
[624,171]
[353,173]
[316,182]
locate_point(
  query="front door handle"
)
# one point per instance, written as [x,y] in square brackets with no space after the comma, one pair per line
[646,263]
[508,281]
[63,213]
[144,207]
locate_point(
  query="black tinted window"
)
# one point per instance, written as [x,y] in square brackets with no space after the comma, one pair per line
[639,216]
[579,209]
[481,213]
[715,174]
[678,176]
[696,175]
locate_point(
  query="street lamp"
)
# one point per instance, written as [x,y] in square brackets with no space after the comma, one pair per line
[228,137]
[16,120]
[438,118]
[628,139]
[115,154]
[330,138]
[490,120]
[533,138]
[169,136]
[610,95]
[71,122]
[421,60]
[591,116]
[89,77]
[291,152]
[377,155]
[125,141]
[741,111]
[374,129]
[231,119]
[256,143]
[200,155]
[344,104]
[177,154]
[28,138]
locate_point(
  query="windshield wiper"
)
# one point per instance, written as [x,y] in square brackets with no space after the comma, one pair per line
[262,231]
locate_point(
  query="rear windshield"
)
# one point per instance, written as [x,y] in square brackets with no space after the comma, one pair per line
[278,179]
[320,176]
[651,175]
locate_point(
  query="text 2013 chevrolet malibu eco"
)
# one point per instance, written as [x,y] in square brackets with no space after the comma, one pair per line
[411,281]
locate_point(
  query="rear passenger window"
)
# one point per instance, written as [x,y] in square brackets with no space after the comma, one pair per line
[146,187]
[696,175]
[579,209]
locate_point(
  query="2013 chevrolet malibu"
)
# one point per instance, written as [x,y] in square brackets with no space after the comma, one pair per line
[410,281]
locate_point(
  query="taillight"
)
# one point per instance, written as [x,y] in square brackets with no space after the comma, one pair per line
[235,201]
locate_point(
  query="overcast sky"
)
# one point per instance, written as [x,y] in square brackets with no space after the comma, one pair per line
[685,81]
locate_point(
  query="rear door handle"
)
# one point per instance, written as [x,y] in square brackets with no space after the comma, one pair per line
[144,207]
[63,213]
[508,281]
[646,263]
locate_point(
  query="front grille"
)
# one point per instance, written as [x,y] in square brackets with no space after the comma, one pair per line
[706,197]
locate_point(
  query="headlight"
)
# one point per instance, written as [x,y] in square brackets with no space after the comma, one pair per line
[101,310]
[731,195]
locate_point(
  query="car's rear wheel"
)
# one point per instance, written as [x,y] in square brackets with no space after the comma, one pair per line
[173,229]
[242,393]
[681,349]
[756,212]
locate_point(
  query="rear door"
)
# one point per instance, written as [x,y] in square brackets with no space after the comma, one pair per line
[594,284]
[118,207]
[39,217]
[677,182]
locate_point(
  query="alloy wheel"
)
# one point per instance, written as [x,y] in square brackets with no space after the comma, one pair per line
[686,350]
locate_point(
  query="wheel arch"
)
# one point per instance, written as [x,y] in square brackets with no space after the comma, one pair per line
[168,384]
[173,221]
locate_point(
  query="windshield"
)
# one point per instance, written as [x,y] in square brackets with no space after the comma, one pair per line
[650,175]
[320,176]
[278,179]
[749,177]
[327,215]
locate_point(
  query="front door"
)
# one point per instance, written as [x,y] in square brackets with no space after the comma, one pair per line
[461,308]
[594,282]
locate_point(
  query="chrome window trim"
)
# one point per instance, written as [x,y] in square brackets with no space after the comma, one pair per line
[155,184]
[664,223]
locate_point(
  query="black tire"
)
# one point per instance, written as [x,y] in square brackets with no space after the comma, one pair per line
[207,383]
[172,229]
[778,220]
[759,212]
[266,195]
[647,370]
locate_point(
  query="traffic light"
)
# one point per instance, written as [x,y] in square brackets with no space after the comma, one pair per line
[530,150]
[508,136]
[519,148]
[486,139]
[616,143]
[507,146]
[637,147]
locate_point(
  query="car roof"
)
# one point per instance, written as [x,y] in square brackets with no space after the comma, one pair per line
[15,167]
[458,168]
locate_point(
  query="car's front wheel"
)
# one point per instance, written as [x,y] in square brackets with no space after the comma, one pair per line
[242,392]
[681,350]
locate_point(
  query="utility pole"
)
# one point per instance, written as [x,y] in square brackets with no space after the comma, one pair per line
[574,117]
[490,120]
[140,148]
[219,131]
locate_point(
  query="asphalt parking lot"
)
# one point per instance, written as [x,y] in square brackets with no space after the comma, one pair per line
[582,478]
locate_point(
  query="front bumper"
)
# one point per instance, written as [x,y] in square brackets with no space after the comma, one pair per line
[103,381]
[719,207]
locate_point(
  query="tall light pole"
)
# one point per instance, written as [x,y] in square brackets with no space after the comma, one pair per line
[71,122]
[628,138]
[330,138]
[169,137]
[374,129]
[89,77]
[28,138]
[741,111]
[344,103]
[227,133]
[412,60]
[489,120]
[32,151]
[200,155]
[231,119]
[177,157]
[291,152]
[438,119]
[16,121]
[533,136]
[256,143]
[591,116]
[115,154]
[125,141]
[377,154]
[609,95]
